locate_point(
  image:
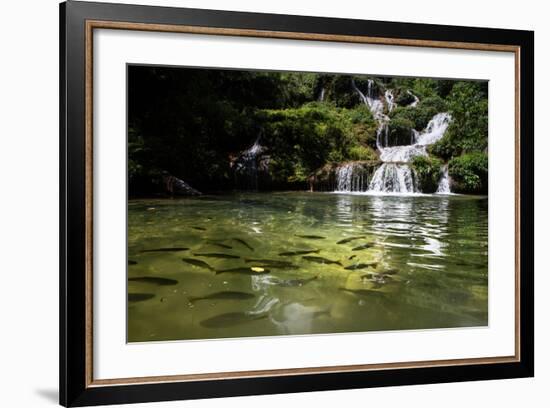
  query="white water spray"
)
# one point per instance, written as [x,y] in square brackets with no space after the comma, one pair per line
[416,100]
[388,95]
[444,184]
[351,177]
[394,175]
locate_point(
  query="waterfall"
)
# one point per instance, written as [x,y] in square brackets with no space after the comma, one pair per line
[393,178]
[322,95]
[416,100]
[395,175]
[435,130]
[351,177]
[374,103]
[246,166]
[388,95]
[376,106]
[444,187]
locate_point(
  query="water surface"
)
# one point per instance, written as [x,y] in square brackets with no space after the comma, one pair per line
[421,263]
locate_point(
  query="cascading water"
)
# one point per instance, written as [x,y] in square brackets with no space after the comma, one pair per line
[393,178]
[395,175]
[444,185]
[374,103]
[376,106]
[388,95]
[416,100]
[322,95]
[351,177]
[246,166]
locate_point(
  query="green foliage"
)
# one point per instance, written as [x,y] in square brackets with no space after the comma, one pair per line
[422,113]
[403,98]
[363,125]
[428,172]
[421,87]
[362,153]
[400,131]
[469,173]
[193,122]
[443,148]
[303,139]
[468,130]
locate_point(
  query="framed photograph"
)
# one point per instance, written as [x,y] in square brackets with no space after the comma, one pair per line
[256,204]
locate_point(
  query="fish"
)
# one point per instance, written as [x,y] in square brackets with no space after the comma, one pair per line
[230,319]
[360,266]
[176,249]
[362,292]
[324,312]
[351,257]
[197,262]
[361,247]
[199,228]
[310,236]
[245,270]
[139,297]
[217,255]
[304,252]
[243,242]
[321,260]
[220,245]
[378,278]
[346,240]
[391,271]
[274,263]
[130,262]
[225,295]
[154,280]
[290,283]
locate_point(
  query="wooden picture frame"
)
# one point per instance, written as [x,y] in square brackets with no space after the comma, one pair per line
[78,20]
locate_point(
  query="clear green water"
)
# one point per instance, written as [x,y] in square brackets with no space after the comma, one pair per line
[427,258]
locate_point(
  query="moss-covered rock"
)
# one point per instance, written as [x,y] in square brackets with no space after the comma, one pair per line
[469,173]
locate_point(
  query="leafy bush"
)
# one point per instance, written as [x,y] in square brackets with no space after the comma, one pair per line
[362,153]
[421,114]
[400,131]
[404,98]
[193,123]
[363,127]
[444,148]
[428,172]
[304,139]
[469,173]
[468,106]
